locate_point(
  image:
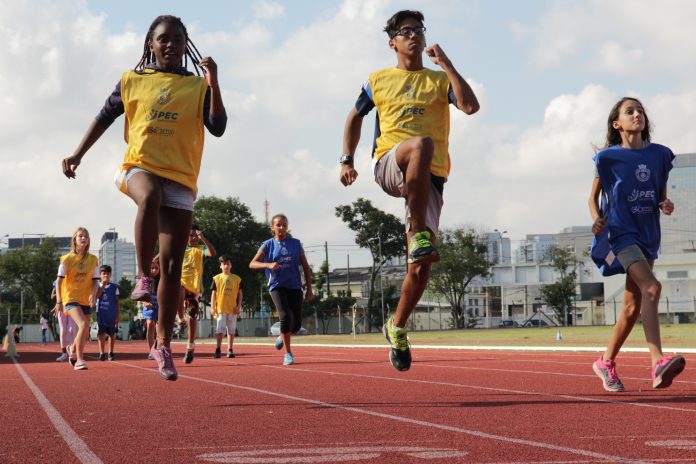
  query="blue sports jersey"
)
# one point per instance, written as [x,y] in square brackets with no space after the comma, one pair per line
[106,305]
[634,182]
[286,253]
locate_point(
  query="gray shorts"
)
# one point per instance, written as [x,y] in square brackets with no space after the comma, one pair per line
[389,176]
[226,323]
[174,195]
[631,255]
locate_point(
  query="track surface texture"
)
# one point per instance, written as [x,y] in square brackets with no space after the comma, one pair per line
[341,404]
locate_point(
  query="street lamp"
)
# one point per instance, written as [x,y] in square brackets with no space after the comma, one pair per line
[381,276]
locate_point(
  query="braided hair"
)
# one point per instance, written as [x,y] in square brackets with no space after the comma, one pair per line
[148,57]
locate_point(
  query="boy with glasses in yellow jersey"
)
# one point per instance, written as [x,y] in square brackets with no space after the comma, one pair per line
[410,156]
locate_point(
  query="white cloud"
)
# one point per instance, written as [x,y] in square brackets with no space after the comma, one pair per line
[268,10]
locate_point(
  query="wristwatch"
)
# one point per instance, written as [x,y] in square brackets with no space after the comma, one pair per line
[346,159]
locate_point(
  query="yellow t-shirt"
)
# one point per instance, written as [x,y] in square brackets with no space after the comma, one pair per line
[164,124]
[192,269]
[226,292]
[78,274]
[409,104]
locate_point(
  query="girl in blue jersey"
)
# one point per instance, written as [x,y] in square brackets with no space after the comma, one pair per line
[281,258]
[166,109]
[632,172]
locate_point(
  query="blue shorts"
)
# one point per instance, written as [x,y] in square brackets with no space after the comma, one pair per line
[151,313]
[86,309]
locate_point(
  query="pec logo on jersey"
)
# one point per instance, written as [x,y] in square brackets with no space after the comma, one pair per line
[643,173]
[165,95]
[283,251]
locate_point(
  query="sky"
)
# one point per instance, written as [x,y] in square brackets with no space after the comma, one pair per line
[545,72]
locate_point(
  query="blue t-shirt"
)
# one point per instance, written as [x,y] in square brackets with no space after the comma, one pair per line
[106,305]
[286,253]
[634,182]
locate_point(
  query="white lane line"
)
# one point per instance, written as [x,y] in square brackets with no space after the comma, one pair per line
[79,448]
[448,428]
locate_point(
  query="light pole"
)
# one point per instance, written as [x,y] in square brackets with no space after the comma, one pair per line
[500,244]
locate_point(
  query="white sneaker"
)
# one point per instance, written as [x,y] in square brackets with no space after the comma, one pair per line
[62,358]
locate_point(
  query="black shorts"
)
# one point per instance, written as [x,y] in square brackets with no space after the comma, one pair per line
[106,329]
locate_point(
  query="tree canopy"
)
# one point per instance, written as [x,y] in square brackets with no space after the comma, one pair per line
[560,295]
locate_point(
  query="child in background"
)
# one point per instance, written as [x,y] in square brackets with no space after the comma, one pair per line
[281,257]
[226,304]
[166,109]
[632,172]
[150,309]
[78,281]
[108,312]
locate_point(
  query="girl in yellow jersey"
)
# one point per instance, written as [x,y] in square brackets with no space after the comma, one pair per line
[78,281]
[166,108]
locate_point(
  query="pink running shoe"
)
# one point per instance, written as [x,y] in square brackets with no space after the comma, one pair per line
[666,369]
[72,357]
[606,370]
[142,289]
[163,356]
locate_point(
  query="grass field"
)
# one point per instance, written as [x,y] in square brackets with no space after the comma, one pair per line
[679,335]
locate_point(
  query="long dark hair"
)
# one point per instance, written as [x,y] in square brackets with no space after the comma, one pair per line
[613,135]
[148,57]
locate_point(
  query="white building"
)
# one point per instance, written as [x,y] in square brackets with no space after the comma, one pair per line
[119,254]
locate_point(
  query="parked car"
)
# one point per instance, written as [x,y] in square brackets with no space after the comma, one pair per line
[508,324]
[536,323]
[275,330]
[94,332]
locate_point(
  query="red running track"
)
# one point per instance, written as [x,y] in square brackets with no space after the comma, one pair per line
[341,405]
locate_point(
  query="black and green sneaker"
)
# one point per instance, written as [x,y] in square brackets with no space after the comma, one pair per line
[421,249]
[400,353]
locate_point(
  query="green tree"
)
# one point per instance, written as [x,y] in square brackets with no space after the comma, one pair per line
[229,225]
[463,256]
[327,309]
[560,295]
[373,226]
[32,269]
[125,286]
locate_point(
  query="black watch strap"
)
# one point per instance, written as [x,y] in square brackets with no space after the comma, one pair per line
[346,159]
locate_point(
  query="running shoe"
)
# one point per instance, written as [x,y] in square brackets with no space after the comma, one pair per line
[111,356]
[188,359]
[102,356]
[666,369]
[150,357]
[62,358]
[218,353]
[279,343]
[400,353]
[80,365]
[288,359]
[230,354]
[606,370]
[165,363]
[421,249]
[72,357]
[142,289]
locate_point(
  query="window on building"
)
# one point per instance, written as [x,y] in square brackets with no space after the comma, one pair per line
[677,274]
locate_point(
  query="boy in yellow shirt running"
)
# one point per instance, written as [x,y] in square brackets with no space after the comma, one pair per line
[226,304]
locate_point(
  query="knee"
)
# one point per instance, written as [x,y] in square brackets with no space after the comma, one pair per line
[419,272]
[149,199]
[632,311]
[652,291]
[424,147]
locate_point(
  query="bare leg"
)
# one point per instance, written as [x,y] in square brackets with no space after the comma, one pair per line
[414,156]
[146,192]
[650,290]
[627,319]
[411,289]
[174,227]
[219,340]
[82,329]
[102,342]
[230,342]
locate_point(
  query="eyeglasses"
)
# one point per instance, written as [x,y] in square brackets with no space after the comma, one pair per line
[408,32]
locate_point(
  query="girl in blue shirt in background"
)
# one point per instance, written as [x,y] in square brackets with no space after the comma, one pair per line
[281,258]
[632,172]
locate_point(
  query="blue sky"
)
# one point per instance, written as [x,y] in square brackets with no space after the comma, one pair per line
[546,74]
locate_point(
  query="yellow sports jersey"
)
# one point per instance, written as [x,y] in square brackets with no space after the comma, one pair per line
[192,269]
[78,275]
[409,104]
[226,292]
[164,124]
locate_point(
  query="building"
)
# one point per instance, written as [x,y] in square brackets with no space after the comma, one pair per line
[119,254]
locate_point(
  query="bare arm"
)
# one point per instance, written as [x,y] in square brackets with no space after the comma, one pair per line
[593,202]
[466,100]
[307,276]
[210,249]
[239,300]
[70,164]
[258,263]
[217,108]
[213,303]
[351,138]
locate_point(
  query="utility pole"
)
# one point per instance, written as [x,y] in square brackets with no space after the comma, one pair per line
[348,292]
[326,253]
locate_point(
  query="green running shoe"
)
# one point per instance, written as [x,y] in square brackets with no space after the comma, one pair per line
[421,249]
[400,353]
